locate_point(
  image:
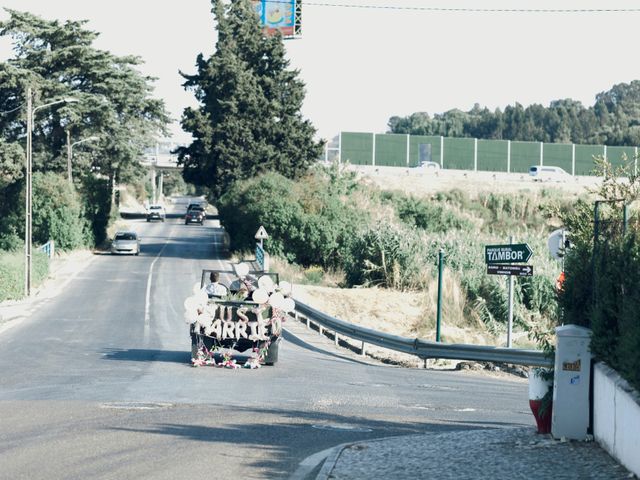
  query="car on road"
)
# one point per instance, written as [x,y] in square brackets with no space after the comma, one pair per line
[433,166]
[125,243]
[195,214]
[156,212]
[548,173]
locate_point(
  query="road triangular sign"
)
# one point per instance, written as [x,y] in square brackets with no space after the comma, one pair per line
[261,234]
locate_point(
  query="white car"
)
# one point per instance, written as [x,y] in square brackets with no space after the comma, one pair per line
[125,243]
[434,166]
[542,173]
[156,212]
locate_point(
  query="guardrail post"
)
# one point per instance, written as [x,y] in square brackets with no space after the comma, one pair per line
[363,350]
[336,340]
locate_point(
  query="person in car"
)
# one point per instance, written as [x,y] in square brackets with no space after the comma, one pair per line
[215,288]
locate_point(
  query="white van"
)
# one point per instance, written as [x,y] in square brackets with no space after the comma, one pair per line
[542,173]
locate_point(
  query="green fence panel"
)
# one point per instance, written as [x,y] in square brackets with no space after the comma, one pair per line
[356,148]
[492,155]
[458,153]
[615,155]
[557,155]
[414,148]
[584,158]
[523,155]
[391,150]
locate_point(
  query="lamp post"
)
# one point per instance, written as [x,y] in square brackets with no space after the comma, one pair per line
[70,152]
[28,193]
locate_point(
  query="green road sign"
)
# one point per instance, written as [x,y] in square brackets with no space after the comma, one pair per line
[510,253]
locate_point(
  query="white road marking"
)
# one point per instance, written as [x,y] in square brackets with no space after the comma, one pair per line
[147,303]
[306,466]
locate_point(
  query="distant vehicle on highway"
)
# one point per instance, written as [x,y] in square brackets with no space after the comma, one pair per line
[125,242]
[434,166]
[156,212]
[542,173]
[195,214]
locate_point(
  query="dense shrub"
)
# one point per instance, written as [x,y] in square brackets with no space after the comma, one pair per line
[12,272]
[309,222]
[386,256]
[603,275]
[57,212]
[99,211]
[431,216]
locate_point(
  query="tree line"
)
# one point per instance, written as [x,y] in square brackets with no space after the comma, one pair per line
[614,119]
[112,101]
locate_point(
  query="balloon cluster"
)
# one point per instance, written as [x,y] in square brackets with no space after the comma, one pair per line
[278,296]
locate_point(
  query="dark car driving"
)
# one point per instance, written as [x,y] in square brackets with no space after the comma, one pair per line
[195,214]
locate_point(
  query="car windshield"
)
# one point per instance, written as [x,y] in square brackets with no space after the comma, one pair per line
[196,209]
[125,236]
[155,207]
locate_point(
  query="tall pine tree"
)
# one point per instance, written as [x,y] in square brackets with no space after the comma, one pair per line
[249,119]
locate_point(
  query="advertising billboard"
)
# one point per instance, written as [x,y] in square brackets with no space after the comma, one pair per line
[277,15]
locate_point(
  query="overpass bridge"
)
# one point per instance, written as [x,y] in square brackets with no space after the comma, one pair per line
[159,159]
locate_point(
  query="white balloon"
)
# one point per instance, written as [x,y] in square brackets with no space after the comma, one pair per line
[242,269]
[191,304]
[202,297]
[276,300]
[266,283]
[260,295]
[288,305]
[190,316]
[285,288]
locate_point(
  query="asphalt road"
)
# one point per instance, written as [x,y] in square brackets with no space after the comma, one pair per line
[97,383]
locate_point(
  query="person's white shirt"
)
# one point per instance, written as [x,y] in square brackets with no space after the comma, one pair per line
[216,289]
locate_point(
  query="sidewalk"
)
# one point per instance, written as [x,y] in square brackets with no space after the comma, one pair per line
[496,454]
[62,270]
[507,453]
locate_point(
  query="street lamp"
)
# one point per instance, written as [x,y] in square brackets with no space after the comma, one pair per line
[28,194]
[70,149]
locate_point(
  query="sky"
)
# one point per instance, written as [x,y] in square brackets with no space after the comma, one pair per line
[363,65]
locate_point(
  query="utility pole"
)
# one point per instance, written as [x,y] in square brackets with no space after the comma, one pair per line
[28,224]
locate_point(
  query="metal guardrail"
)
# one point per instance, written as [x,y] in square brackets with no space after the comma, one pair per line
[424,349]
[48,248]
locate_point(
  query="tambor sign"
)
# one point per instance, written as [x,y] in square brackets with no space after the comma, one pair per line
[510,253]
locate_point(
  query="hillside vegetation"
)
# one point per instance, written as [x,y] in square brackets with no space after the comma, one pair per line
[330,225]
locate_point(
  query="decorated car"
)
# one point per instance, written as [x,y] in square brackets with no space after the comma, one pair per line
[236,318]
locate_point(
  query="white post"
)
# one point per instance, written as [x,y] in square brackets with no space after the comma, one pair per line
[541,153]
[635,160]
[326,152]
[475,154]
[408,147]
[508,156]
[441,151]
[363,350]
[573,159]
[340,148]
[373,151]
[604,151]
